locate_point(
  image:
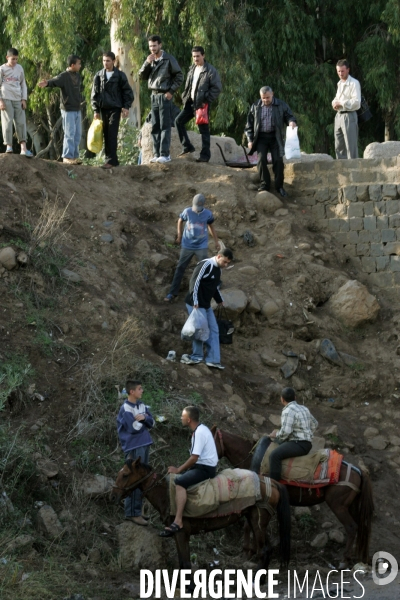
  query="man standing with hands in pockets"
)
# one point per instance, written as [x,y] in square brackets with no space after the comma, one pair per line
[164,76]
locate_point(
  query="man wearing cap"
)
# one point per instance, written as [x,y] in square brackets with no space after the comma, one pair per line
[193,226]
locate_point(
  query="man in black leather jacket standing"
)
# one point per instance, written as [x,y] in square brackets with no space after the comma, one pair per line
[164,76]
[264,131]
[112,96]
[203,86]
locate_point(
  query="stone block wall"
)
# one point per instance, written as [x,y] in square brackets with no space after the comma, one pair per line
[358,203]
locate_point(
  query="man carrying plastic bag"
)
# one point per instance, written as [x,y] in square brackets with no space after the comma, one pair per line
[264,131]
[202,288]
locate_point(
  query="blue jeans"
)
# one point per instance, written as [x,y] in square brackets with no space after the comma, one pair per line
[71,122]
[184,260]
[212,344]
[133,503]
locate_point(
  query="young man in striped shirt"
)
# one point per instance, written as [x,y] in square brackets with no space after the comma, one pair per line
[295,435]
[202,288]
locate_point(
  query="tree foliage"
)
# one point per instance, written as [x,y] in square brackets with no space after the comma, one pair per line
[291,45]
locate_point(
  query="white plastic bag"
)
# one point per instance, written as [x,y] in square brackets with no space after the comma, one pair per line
[196,327]
[292,144]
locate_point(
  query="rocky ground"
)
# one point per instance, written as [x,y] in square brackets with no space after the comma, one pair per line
[87,258]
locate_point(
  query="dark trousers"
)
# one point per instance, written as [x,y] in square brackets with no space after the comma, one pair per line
[286,450]
[111,118]
[267,142]
[186,115]
[161,124]
[185,257]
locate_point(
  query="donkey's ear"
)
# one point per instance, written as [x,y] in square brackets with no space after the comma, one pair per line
[213,429]
[138,460]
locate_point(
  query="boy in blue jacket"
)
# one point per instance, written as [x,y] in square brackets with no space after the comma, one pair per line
[134,421]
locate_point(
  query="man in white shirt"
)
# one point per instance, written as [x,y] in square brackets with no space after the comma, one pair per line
[346,103]
[200,466]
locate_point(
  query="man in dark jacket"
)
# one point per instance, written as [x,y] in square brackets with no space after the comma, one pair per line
[264,131]
[164,76]
[203,287]
[203,86]
[70,83]
[112,96]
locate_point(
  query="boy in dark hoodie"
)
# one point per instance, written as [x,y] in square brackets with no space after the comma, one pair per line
[134,421]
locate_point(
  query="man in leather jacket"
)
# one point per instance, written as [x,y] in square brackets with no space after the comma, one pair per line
[264,131]
[164,76]
[112,96]
[203,86]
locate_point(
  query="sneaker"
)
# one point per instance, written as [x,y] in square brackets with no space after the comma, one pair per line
[154,159]
[263,188]
[169,297]
[27,153]
[164,159]
[77,161]
[9,151]
[137,520]
[215,365]
[186,360]
[68,161]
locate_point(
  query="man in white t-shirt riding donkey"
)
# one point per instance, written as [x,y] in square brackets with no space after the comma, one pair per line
[200,466]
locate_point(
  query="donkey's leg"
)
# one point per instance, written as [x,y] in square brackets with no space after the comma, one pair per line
[182,540]
[259,519]
[249,548]
[339,499]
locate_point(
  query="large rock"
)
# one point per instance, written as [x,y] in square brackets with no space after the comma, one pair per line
[235,302]
[8,258]
[237,404]
[267,202]
[308,158]
[353,304]
[383,150]
[95,485]
[19,542]
[377,443]
[231,150]
[269,308]
[320,540]
[139,547]
[48,523]
[47,467]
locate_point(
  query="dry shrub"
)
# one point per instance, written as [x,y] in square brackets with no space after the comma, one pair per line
[93,417]
[50,230]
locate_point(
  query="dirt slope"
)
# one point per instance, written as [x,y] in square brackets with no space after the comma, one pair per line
[117,239]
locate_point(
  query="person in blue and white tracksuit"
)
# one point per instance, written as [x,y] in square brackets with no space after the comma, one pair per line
[203,287]
[134,421]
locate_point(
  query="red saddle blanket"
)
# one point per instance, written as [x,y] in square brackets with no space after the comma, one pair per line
[326,473]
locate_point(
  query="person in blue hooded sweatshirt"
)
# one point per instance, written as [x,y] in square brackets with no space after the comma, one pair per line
[134,421]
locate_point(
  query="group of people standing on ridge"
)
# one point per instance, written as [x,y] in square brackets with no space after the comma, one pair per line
[112,97]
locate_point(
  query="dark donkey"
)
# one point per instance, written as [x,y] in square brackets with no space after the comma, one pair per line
[135,474]
[350,499]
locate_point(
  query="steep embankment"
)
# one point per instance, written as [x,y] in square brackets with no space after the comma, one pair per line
[83,330]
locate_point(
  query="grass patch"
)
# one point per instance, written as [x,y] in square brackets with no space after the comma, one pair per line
[15,371]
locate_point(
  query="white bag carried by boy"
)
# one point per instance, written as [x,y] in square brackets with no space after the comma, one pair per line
[292,144]
[196,327]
